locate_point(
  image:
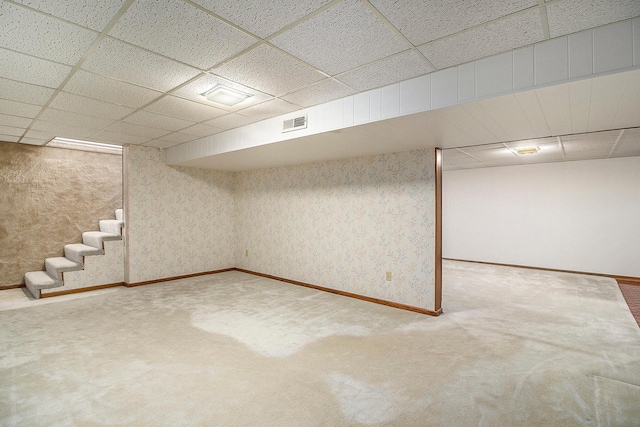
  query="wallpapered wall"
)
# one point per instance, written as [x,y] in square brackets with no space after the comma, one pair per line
[48,197]
[343,224]
[178,220]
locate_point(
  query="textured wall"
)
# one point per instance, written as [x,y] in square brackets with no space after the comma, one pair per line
[343,224]
[179,220]
[581,216]
[48,197]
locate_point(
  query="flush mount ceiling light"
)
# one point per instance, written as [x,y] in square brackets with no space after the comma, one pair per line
[528,150]
[78,144]
[225,95]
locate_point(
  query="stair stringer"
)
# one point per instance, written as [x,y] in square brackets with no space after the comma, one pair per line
[98,270]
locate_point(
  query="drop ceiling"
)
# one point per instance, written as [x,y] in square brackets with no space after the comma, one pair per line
[133,71]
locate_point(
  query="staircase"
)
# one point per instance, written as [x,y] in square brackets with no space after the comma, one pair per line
[81,266]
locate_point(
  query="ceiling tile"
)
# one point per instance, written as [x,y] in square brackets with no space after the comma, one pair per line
[74,119]
[596,145]
[341,38]
[23,92]
[324,91]
[184,109]
[145,118]
[89,106]
[60,129]
[94,14]
[9,138]
[425,21]
[25,68]
[268,70]
[118,138]
[230,121]
[19,109]
[45,135]
[387,71]
[200,130]
[570,16]
[6,120]
[40,35]
[195,89]
[260,17]
[496,37]
[180,31]
[275,107]
[136,130]
[109,90]
[11,130]
[121,61]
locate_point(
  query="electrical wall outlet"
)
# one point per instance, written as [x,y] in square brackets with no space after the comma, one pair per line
[388,276]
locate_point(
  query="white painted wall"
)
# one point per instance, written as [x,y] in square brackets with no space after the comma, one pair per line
[582,216]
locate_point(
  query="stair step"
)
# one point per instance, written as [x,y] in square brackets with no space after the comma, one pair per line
[119,215]
[36,280]
[58,265]
[76,251]
[111,226]
[95,238]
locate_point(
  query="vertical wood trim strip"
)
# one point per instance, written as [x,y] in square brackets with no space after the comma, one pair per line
[438,254]
[125,209]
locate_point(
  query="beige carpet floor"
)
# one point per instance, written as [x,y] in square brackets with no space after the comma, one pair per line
[514,347]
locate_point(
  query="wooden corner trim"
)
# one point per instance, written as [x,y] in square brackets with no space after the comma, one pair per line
[168,279]
[79,290]
[436,312]
[438,231]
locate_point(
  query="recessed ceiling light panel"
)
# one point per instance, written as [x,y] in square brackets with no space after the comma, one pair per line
[78,144]
[225,95]
[528,150]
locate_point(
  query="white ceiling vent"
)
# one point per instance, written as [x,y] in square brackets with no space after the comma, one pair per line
[294,124]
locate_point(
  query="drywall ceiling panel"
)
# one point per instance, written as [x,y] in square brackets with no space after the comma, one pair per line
[606,95]
[43,36]
[481,115]
[27,69]
[580,101]
[387,71]
[195,90]
[528,102]
[283,74]
[628,145]
[89,106]
[424,21]
[589,146]
[260,17]
[185,109]
[463,120]
[181,31]
[495,37]
[629,109]
[556,105]
[95,14]
[121,61]
[506,111]
[19,109]
[159,121]
[109,90]
[324,91]
[342,37]
[571,16]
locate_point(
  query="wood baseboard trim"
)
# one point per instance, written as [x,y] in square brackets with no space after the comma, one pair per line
[347,294]
[4,288]
[186,276]
[611,276]
[624,280]
[80,290]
